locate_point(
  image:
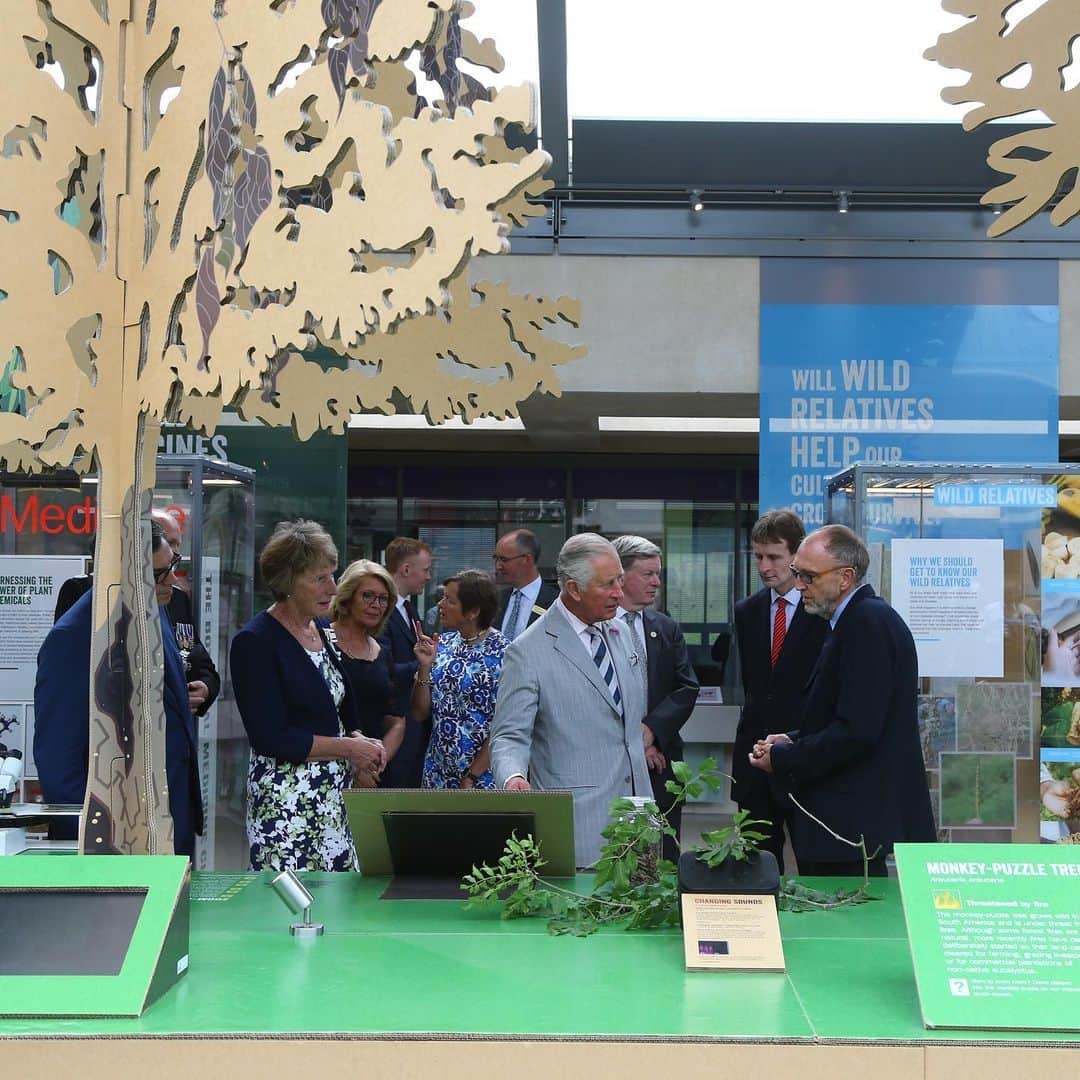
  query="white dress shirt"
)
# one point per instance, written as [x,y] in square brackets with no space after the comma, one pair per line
[529,594]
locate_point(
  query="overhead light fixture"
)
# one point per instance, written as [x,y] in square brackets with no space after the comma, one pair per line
[1069,427]
[697,202]
[728,425]
[843,203]
[413,422]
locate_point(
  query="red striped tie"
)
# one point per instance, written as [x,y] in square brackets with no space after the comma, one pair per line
[779,629]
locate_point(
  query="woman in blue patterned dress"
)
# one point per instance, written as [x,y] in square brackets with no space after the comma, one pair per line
[299,712]
[457,682]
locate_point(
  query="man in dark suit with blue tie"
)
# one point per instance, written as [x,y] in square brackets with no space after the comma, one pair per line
[671,686]
[778,644]
[853,759]
[62,709]
[526,597]
[408,561]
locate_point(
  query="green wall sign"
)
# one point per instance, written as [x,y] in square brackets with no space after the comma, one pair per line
[994,931]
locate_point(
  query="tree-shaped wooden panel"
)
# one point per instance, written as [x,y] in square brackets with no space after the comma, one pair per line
[196,194]
[1021,59]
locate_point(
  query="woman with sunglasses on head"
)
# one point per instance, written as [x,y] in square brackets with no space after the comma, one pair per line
[299,712]
[365,596]
[457,681]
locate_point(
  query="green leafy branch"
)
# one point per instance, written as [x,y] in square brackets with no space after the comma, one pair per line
[632,885]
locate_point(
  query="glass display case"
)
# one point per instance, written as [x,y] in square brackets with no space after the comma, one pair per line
[215,504]
[979,559]
[47,532]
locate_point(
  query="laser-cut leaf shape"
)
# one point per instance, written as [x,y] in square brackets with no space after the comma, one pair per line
[207,301]
[252,195]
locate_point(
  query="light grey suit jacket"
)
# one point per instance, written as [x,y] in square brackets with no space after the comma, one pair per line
[556,723]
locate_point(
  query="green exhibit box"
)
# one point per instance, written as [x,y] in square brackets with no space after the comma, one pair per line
[994,931]
[101,935]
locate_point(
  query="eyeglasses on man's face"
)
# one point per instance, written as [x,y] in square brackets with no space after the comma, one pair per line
[808,577]
[162,572]
[502,560]
[374,599]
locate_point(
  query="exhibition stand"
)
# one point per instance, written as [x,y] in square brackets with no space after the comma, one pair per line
[410,986]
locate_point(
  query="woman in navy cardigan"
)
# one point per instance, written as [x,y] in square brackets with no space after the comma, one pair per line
[299,713]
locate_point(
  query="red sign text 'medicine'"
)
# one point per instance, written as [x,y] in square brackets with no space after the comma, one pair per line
[50,518]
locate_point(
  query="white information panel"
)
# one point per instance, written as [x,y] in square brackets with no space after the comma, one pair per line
[951,593]
[28,588]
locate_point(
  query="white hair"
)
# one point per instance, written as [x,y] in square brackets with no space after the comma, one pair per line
[575,562]
[630,548]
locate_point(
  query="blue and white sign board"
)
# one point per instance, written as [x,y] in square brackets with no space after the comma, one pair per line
[951,594]
[889,360]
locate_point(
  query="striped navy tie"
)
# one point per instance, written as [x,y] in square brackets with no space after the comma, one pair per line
[602,660]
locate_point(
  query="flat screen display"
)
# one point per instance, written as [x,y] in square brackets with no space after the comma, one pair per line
[67,931]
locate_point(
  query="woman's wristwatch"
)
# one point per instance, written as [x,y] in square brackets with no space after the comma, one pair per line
[472,776]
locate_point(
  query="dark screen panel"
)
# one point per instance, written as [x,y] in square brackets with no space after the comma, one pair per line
[450,844]
[67,931]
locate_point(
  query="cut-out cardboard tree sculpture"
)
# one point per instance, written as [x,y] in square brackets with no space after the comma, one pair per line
[196,194]
[1017,56]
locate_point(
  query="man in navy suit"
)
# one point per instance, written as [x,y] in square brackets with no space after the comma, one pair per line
[62,710]
[854,761]
[671,687]
[526,596]
[778,645]
[408,561]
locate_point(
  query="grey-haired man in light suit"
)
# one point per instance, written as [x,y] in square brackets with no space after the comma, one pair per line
[559,723]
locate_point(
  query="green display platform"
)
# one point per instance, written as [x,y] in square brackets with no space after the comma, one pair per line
[388,967]
[396,986]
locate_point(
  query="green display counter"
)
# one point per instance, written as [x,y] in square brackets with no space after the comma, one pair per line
[412,987]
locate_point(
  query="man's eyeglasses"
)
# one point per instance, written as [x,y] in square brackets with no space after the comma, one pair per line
[378,599]
[162,572]
[808,577]
[502,560]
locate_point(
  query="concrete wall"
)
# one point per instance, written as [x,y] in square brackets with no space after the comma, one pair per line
[670,324]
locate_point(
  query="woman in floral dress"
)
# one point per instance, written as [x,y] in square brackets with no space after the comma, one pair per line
[457,682]
[299,712]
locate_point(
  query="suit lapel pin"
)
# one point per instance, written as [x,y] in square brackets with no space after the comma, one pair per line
[652,633]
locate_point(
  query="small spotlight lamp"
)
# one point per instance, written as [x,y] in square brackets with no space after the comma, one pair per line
[296,897]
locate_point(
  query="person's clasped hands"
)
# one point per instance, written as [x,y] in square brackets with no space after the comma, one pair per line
[367,758]
[761,755]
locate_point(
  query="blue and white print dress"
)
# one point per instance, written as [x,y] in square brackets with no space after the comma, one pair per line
[464,683]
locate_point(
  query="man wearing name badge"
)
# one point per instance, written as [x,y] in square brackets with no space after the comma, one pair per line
[778,645]
[671,686]
[408,561]
[62,710]
[571,701]
[526,597]
[854,761]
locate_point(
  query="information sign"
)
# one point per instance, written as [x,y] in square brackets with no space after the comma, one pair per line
[951,594]
[994,931]
[736,932]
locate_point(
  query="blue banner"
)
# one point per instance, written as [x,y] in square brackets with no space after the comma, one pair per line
[888,360]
